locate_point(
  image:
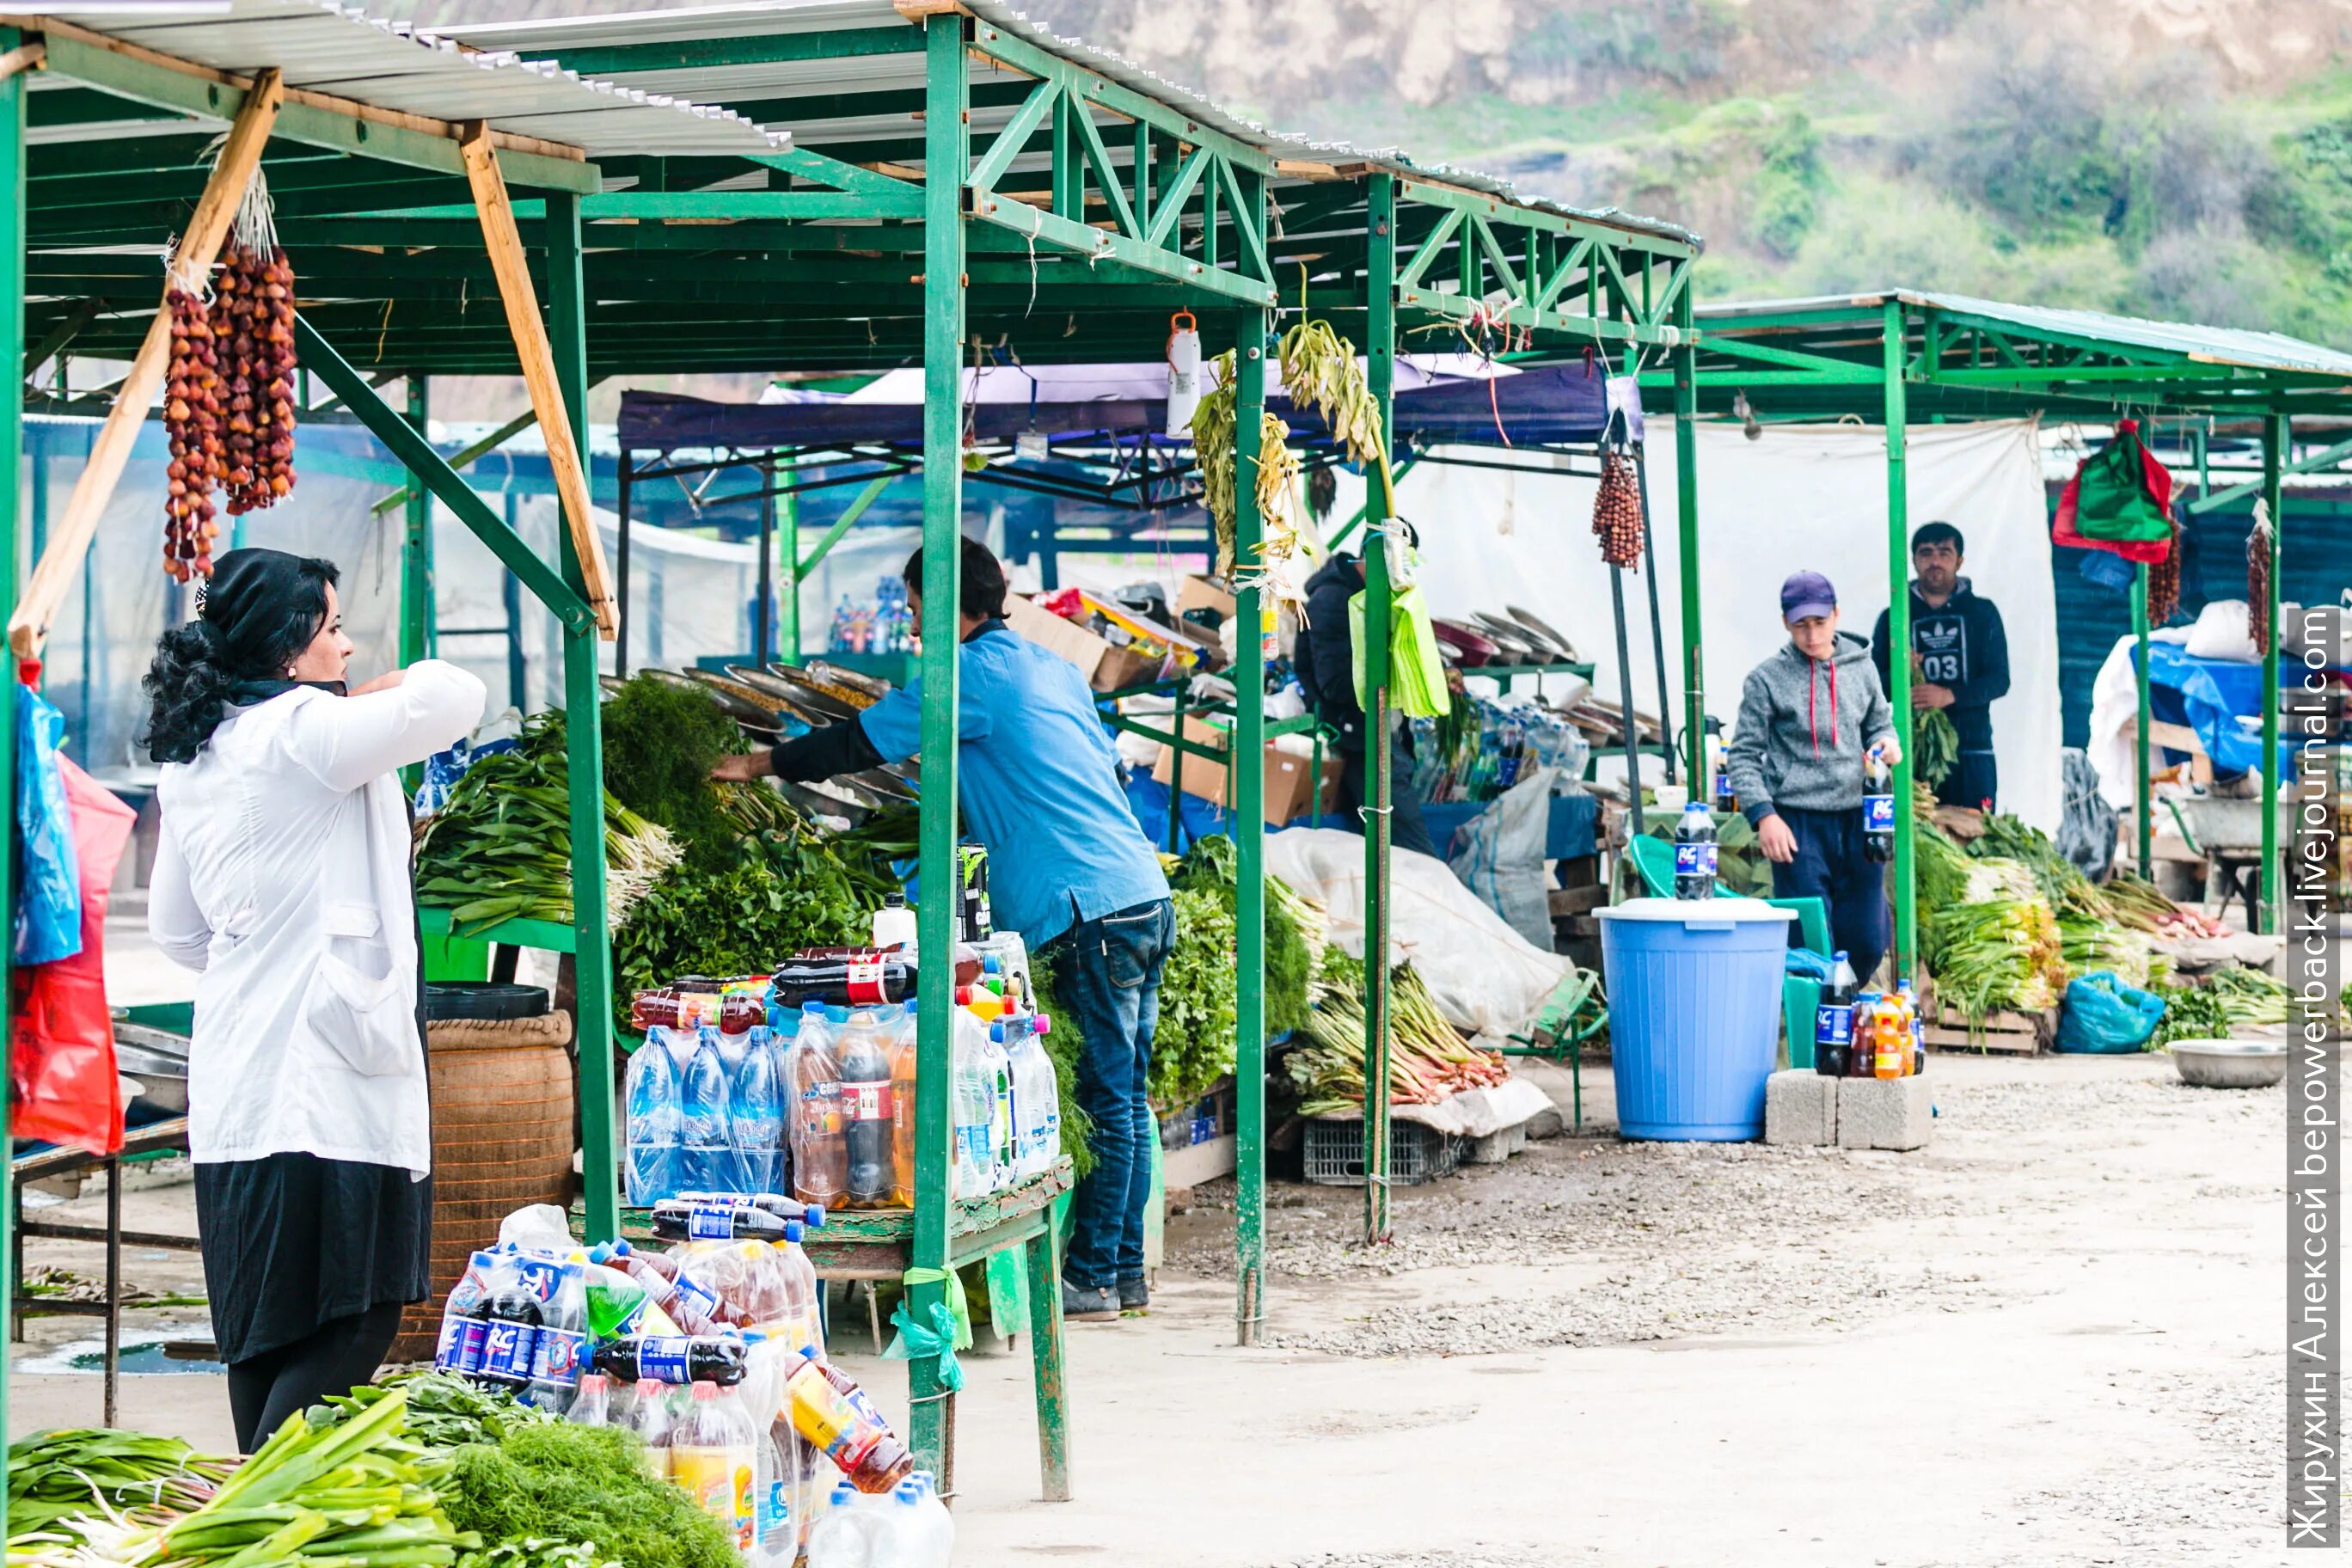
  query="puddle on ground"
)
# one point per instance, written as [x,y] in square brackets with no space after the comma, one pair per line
[142,1354]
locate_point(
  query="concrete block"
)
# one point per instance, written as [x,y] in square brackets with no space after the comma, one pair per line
[1885,1113]
[1801,1107]
[1498,1146]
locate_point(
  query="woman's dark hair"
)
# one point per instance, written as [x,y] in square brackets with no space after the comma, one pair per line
[260,610]
[984,580]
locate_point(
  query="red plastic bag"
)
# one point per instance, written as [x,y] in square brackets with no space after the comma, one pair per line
[61,1055]
[2154,485]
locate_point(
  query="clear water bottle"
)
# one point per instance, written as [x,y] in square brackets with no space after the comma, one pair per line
[813,1080]
[841,1539]
[1694,853]
[656,1128]
[706,1153]
[936,1524]
[755,1117]
[1036,1098]
[1002,1139]
[972,1105]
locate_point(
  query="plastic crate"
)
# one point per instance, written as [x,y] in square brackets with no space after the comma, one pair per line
[1335,1154]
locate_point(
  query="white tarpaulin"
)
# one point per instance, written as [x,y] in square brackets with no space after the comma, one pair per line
[1803,495]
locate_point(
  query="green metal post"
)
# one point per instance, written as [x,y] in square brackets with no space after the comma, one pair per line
[1249,832]
[1176,767]
[1899,638]
[788,609]
[2141,803]
[12,464]
[567,309]
[946,156]
[419,634]
[1686,528]
[2276,436]
[1380,350]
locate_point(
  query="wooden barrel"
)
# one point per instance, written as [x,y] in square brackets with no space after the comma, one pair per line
[502,1137]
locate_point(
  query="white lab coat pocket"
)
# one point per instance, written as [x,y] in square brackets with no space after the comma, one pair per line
[358,1005]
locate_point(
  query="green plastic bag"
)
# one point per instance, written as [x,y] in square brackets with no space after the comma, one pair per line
[2112,500]
[1416,671]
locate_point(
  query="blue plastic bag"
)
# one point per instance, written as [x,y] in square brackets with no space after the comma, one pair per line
[2105,1016]
[48,893]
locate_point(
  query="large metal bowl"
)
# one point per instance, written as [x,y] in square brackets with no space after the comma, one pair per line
[2230,1064]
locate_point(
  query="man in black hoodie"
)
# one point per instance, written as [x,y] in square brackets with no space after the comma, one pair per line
[1963,654]
[1326,663]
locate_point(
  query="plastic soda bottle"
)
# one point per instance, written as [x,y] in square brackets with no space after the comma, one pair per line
[1694,853]
[1862,1060]
[1890,1038]
[652,1420]
[846,1429]
[707,1157]
[1919,1029]
[1877,810]
[655,1121]
[593,1405]
[1834,1021]
[463,1325]
[820,1157]
[710,1455]
[755,1117]
[560,1349]
[902,1113]
[511,1330]
[865,1097]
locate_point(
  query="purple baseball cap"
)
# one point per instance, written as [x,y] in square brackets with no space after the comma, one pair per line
[1806,594]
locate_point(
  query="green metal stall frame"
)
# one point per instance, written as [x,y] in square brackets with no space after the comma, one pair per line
[1908,355]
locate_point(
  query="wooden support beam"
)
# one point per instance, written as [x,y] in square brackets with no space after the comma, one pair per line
[538,357]
[200,243]
[23,57]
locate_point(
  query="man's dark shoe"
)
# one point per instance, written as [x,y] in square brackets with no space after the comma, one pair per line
[1089,1304]
[1134,1295]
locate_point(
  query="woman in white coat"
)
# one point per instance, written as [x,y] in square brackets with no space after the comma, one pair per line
[283,877]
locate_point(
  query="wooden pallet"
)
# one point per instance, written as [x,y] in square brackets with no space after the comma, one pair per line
[2017,1034]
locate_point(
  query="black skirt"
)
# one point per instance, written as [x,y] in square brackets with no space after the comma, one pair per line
[293,1241]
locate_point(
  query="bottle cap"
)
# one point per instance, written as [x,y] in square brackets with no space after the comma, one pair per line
[814,1218]
[844,1495]
[836,1014]
[593,1382]
[894,901]
[792,1231]
[989,965]
[996,1032]
[1045,1025]
[906,1494]
[925,1479]
[813,1005]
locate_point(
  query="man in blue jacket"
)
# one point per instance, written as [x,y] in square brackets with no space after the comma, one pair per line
[1068,868]
[1963,654]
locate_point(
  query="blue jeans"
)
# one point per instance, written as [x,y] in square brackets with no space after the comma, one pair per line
[1107,976]
[1832,866]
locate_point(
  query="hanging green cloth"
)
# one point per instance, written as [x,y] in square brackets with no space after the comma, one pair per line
[2120,496]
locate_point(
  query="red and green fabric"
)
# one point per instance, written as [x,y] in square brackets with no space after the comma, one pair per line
[2120,500]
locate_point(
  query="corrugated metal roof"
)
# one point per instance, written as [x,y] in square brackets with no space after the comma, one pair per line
[337,50]
[2209,345]
[876,73]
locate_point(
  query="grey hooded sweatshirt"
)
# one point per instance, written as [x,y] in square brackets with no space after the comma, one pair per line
[1804,724]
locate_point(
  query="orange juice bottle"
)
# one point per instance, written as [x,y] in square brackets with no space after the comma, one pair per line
[1890,1038]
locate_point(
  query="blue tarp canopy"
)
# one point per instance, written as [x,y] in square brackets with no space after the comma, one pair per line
[1549,406]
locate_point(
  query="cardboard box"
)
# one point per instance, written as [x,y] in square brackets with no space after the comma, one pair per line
[1106,667]
[1286,774]
[1199,592]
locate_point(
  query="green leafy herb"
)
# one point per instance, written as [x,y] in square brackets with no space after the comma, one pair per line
[556,1481]
[660,742]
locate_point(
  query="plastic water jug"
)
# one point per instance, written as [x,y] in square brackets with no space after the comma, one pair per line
[656,1126]
[755,1109]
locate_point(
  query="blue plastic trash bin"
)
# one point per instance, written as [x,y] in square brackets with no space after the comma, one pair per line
[1694,1014]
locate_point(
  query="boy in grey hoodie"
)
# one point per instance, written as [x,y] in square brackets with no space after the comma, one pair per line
[1807,716]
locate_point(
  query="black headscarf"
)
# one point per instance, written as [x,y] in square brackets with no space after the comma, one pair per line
[257,612]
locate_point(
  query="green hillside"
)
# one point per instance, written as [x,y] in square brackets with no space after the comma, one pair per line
[2180,158]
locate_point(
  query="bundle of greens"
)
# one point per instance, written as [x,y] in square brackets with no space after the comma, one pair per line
[1192,1046]
[2133,902]
[337,1493]
[1428,1059]
[552,1481]
[782,891]
[500,850]
[57,1478]
[2191,1011]
[1996,946]
[1294,944]
[2089,945]
[1935,745]
[2249,997]
[444,1409]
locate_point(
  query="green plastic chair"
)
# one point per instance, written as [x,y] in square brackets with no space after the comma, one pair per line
[1570,1015]
[1653,859]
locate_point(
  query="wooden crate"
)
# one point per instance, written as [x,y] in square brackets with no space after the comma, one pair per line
[2018,1033]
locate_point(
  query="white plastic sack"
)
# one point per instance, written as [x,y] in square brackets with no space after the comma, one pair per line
[1484,976]
[1501,858]
[537,1228]
[2220,634]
